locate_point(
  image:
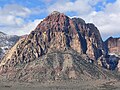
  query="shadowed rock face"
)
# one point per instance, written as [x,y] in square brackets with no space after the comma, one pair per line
[57,32]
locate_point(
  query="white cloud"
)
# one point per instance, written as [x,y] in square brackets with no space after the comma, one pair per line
[107,21]
[94,2]
[79,6]
[15,10]
[27,28]
[113,7]
[13,15]
[22,30]
[12,19]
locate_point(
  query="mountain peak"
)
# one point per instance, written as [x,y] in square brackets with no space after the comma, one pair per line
[56,21]
[55,12]
[2,34]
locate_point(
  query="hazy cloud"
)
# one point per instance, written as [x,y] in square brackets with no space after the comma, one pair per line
[79,6]
[24,29]
[15,10]
[12,19]
[13,15]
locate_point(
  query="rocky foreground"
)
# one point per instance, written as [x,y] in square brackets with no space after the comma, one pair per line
[62,85]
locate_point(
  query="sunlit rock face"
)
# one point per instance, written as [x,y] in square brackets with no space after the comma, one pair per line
[113,45]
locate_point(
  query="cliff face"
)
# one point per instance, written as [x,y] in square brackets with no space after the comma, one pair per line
[113,45]
[57,32]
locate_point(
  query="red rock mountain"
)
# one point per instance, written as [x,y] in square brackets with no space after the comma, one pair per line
[59,32]
[59,47]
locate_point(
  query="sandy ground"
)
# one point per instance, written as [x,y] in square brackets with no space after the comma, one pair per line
[62,85]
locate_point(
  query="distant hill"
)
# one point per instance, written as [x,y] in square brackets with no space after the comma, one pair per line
[6,42]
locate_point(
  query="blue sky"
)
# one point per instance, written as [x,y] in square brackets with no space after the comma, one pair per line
[22,16]
[43,4]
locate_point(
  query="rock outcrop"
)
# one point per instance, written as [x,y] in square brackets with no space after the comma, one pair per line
[113,45]
[54,50]
[111,59]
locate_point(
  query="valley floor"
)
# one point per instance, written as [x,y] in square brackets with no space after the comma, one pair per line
[63,85]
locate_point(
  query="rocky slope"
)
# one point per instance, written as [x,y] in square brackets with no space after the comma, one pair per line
[6,42]
[59,48]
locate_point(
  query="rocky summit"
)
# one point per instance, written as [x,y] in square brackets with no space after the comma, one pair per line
[59,48]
